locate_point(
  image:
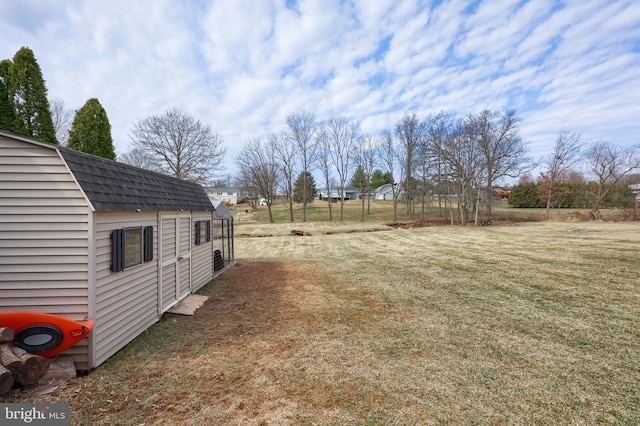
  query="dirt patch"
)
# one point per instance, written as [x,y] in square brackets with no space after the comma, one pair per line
[420,223]
[496,220]
[220,366]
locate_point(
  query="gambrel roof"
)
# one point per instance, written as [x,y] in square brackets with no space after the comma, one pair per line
[112,186]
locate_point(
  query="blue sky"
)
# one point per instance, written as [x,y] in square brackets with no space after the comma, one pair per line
[243,66]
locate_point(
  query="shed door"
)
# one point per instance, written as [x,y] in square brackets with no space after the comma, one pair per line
[175,256]
[184,257]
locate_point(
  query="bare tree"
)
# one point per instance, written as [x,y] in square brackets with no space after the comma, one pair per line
[387,153]
[285,153]
[259,170]
[364,156]
[437,129]
[608,164]
[501,145]
[563,157]
[409,131]
[464,164]
[182,145]
[62,118]
[139,158]
[342,135]
[302,128]
[324,162]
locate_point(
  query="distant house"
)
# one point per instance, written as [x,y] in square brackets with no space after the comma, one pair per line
[384,192]
[349,194]
[231,195]
[501,192]
[635,190]
[84,237]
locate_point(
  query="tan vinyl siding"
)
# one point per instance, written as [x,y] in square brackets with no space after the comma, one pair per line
[202,256]
[44,236]
[186,241]
[126,301]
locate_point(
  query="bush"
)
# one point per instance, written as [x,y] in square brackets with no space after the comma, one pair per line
[525,196]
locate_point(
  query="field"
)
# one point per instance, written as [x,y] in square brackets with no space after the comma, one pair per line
[510,324]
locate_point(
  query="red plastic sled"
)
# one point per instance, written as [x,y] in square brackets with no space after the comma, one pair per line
[45,335]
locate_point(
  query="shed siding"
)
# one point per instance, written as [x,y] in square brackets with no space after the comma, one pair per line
[126,302]
[185,241]
[202,256]
[44,254]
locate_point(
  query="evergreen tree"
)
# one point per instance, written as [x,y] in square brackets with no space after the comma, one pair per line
[91,131]
[359,180]
[302,192]
[525,195]
[7,115]
[28,94]
[378,178]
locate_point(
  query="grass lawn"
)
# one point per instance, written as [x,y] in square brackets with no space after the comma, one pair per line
[513,324]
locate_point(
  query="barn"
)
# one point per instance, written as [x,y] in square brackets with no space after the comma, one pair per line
[92,239]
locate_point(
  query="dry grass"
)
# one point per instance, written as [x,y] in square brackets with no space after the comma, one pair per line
[380,212]
[525,324]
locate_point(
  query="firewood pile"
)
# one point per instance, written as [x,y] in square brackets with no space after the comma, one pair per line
[17,366]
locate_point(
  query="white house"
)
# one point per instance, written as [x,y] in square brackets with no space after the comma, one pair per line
[635,189]
[231,195]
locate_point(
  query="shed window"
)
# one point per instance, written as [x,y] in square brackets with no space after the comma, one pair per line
[132,246]
[203,231]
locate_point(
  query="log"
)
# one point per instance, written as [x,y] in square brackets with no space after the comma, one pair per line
[6,380]
[9,359]
[6,334]
[62,368]
[33,367]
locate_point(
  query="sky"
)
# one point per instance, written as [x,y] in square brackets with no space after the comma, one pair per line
[243,66]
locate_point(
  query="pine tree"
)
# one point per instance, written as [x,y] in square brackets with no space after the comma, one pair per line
[378,178]
[304,188]
[28,94]
[91,131]
[359,180]
[7,115]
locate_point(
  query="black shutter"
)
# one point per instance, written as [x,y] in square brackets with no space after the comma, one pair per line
[198,233]
[117,250]
[148,243]
[208,230]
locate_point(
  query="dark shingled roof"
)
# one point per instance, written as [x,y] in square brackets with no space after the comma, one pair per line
[113,186]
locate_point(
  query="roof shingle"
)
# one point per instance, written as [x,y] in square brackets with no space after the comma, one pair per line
[113,186]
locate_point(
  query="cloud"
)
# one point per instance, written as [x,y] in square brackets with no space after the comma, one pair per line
[244,66]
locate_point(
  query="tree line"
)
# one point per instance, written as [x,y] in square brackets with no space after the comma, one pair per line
[609,169]
[456,160]
[459,159]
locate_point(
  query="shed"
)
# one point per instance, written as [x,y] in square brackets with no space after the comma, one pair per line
[89,238]
[384,192]
[222,233]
